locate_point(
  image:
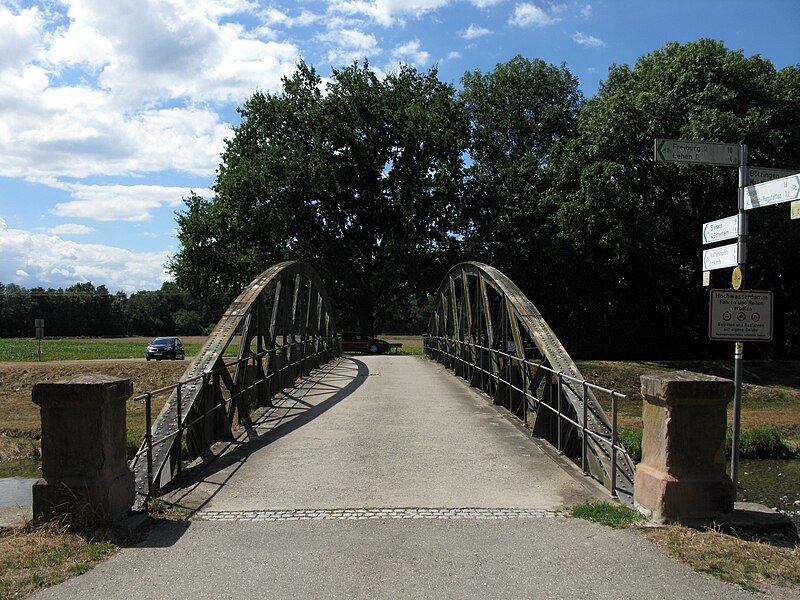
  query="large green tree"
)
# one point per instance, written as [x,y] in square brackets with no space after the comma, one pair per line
[633,225]
[362,180]
[517,112]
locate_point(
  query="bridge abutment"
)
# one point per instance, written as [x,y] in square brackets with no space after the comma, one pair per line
[85,474]
[682,475]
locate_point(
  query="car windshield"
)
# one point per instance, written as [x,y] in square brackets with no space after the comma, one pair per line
[162,342]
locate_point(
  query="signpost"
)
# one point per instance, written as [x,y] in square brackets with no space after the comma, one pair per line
[776,191]
[722,229]
[725,155]
[720,257]
[697,153]
[39,325]
[740,316]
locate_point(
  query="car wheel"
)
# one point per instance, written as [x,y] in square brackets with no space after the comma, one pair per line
[147,358]
[373,349]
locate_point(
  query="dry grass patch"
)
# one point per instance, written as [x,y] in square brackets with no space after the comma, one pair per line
[37,557]
[752,565]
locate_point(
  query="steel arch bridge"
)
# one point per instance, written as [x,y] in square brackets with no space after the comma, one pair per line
[286,328]
[488,332]
[483,328]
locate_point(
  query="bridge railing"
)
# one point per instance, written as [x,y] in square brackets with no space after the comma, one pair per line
[286,328]
[226,403]
[487,331]
[451,352]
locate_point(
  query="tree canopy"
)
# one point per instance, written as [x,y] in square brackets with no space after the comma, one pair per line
[365,178]
[362,181]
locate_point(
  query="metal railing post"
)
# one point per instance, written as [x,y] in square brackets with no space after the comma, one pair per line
[148,436]
[560,395]
[613,443]
[584,441]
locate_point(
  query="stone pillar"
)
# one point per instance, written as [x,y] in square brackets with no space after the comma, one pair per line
[682,475]
[85,473]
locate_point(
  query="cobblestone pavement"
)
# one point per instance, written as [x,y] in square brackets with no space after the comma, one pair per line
[355,514]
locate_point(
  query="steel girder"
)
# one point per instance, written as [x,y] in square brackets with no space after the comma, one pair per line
[488,332]
[287,329]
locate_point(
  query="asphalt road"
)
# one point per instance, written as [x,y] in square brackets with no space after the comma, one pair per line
[387,477]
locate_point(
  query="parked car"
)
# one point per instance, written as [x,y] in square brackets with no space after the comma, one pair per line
[165,347]
[355,342]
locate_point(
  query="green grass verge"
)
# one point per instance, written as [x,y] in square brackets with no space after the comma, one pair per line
[605,513]
[24,350]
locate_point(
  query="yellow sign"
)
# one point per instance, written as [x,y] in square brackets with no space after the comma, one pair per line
[736,278]
[706,278]
[795,214]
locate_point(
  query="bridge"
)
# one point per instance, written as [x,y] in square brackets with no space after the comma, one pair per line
[483,329]
[324,475]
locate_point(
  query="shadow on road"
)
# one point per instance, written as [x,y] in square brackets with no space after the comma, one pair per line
[311,397]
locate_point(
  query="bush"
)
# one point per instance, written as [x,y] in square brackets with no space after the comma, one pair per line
[632,440]
[762,441]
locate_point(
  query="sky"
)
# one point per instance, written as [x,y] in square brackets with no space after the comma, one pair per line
[112,112]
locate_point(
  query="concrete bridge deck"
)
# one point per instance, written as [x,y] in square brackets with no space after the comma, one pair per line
[387,477]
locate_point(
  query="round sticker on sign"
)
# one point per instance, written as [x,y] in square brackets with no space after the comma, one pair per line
[736,278]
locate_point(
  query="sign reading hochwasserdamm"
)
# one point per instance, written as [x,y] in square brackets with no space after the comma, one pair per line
[740,316]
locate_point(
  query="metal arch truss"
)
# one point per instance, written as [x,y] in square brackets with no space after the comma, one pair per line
[287,329]
[488,332]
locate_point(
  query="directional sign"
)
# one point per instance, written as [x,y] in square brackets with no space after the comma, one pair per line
[740,316]
[721,257]
[762,174]
[722,229]
[776,191]
[697,153]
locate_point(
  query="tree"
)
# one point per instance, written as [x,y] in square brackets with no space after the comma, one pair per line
[361,181]
[517,112]
[633,226]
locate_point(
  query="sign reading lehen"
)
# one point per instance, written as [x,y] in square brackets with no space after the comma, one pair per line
[740,316]
[697,153]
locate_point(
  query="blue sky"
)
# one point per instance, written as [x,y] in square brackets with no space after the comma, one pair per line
[112,111]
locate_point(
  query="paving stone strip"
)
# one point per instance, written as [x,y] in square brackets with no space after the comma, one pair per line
[353,514]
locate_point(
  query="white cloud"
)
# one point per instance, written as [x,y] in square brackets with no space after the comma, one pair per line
[348,45]
[587,40]
[474,31]
[20,37]
[70,229]
[385,12]
[149,234]
[586,11]
[454,55]
[120,202]
[485,3]
[410,53]
[527,14]
[51,261]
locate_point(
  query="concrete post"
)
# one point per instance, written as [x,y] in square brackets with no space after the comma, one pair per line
[85,473]
[682,475]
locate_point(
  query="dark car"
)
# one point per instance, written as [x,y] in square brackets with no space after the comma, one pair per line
[355,342]
[165,347]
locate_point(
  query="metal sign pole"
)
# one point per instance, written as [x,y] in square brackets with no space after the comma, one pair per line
[738,356]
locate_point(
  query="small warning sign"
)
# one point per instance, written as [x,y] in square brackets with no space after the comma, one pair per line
[740,316]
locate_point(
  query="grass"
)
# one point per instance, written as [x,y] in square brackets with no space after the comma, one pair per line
[754,566]
[34,557]
[25,350]
[605,513]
